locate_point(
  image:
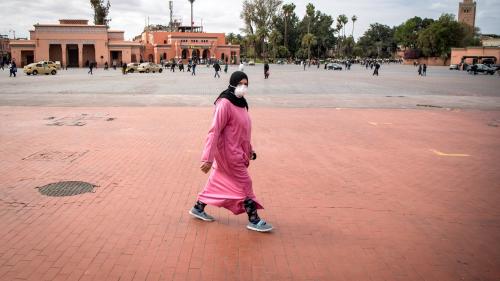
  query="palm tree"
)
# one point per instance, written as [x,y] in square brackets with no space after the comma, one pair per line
[307,41]
[310,15]
[353,19]
[230,38]
[275,37]
[338,29]
[287,12]
[344,20]
[262,35]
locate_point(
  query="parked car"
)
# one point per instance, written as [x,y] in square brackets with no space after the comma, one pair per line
[454,67]
[40,68]
[132,67]
[495,66]
[334,66]
[148,67]
[251,62]
[481,68]
[57,65]
[280,62]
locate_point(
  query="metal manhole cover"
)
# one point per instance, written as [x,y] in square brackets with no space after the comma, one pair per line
[66,188]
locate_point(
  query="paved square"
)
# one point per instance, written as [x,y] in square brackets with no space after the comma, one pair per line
[371,192]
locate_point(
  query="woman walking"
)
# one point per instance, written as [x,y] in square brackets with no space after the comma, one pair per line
[228,149]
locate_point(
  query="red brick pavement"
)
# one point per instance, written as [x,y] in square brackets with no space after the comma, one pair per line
[353,195]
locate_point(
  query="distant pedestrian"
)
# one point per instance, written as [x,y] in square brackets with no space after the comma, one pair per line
[91,67]
[189,66]
[419,70]
[217,69]
[114,64]
[304,64]
[377,66]
[226,67]
[13,68]
[2,64]
[181,67]
[124,68]
[227,155]
[266,70]
[241,67]
[106,66]
[172,67]
[194,69]
[424,70]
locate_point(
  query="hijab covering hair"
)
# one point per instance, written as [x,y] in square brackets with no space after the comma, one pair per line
[236,78]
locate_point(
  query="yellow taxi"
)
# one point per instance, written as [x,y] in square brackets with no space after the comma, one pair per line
[149,67]
[40,68]
[56,64]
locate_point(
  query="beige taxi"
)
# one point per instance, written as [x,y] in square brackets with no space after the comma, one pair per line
[40,68]
[132,67]
[56,64]
[148,67]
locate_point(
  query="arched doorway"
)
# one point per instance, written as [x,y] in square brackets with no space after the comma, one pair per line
[206,54]
[222,57]
[185,54]
[195,54]
[164,56]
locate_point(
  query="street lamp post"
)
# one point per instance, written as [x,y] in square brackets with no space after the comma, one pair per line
[191,1]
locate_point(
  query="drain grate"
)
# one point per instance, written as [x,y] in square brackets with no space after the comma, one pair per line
[66,188]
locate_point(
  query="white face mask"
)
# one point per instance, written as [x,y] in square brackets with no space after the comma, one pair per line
[241,91]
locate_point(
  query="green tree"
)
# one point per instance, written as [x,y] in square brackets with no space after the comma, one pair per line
[274,39]
[353,19]
[343,19]
[258,18]
[378,41]
[288,11]
[101,12]
[439,37]
[310,16]
[407,33]
[286,23]
[308,41]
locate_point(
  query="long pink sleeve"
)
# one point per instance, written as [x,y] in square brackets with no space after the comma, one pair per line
[219,122]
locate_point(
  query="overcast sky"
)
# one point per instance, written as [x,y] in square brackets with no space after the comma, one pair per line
[223,15]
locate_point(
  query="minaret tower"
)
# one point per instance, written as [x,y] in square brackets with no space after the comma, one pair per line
[467,12]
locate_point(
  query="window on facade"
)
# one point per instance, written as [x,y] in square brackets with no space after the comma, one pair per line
[164,41]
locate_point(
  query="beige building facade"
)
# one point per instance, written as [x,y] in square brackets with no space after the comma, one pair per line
[164,46]
[75,43]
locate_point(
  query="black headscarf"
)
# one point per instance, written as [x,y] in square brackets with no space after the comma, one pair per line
[236,77]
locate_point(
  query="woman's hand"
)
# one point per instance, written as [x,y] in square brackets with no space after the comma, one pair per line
[205,167]
[253,155]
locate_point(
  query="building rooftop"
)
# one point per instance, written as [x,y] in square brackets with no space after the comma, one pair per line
[74,21]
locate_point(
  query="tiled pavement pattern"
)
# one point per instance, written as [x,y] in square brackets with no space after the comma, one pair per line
[353,195]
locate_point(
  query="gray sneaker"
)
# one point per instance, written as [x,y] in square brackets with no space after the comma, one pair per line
[261,226]
[200,215]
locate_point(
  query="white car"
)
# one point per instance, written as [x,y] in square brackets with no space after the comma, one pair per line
[148,67]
